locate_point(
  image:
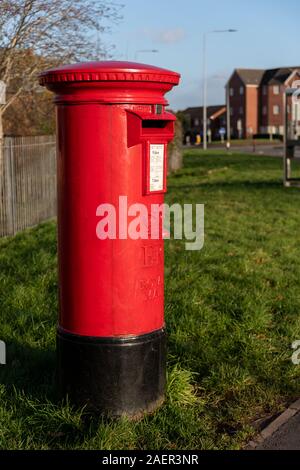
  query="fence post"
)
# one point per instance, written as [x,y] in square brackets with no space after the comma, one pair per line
[10,185]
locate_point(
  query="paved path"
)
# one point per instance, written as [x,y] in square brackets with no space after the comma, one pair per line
[287,437]
[270,150]
[261,149]
[275,150]
[281,434]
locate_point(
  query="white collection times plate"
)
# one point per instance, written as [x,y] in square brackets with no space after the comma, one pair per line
[156,173]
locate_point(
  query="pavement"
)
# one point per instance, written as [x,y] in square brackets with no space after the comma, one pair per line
[281,434]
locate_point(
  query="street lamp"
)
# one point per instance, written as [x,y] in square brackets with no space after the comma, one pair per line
[205,80]
[144,50]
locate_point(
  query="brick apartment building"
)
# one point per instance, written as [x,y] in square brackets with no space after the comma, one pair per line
[216,120]
[256,100]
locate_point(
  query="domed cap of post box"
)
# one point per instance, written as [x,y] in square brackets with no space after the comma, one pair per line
[109,71]
[109,81]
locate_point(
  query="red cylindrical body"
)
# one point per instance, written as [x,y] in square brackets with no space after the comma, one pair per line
[113,132]
[108,287]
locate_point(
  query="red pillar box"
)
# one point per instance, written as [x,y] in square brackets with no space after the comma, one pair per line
[113,132]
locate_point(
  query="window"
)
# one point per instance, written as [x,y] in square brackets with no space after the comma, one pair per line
[288,109]
[196,122]
[241,90]
[264,89]
[264,110]
[231,91]
[276,109]
[276,90]
[241,110]
[231,111]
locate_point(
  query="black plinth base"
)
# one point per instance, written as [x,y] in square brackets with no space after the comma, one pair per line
[113,376]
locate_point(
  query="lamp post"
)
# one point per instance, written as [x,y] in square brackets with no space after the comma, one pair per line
[144,50]
[205,80]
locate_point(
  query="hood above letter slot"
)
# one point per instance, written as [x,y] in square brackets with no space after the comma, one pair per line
[143,126]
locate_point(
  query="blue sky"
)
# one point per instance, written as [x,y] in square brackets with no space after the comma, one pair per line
[268,36]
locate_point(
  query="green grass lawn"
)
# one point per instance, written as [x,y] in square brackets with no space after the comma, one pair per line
[232,312]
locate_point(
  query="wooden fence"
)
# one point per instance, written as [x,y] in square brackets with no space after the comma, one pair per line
[27,182]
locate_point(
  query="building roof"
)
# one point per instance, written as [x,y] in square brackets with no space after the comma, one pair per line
[250,76]
[277,76]
[265,76]
[197,111]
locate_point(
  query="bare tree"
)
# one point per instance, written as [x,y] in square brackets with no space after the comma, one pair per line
[35,34]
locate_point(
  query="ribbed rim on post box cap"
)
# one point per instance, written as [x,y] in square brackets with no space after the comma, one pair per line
[108,71]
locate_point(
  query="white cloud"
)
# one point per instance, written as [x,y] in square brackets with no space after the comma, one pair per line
[166,36]
[170,36]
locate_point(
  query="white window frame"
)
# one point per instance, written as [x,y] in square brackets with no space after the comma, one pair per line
[276,109]
[264,110]
[275,89]
[241,90]
[231,91]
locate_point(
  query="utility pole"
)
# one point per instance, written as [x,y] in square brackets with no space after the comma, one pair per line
[204,95]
